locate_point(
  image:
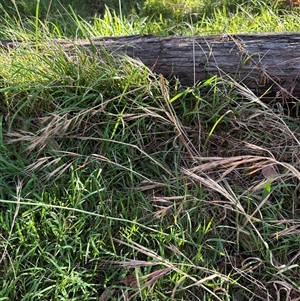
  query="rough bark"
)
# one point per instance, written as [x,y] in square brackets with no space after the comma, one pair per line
[264,62]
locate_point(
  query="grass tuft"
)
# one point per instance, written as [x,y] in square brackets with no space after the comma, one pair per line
[119,185]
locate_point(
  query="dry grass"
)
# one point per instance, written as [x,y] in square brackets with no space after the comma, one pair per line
[118,186]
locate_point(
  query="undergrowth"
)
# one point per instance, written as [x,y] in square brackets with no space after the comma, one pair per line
[117,184]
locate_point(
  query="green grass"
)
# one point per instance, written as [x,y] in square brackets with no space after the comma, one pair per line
[118,185]
[71,19]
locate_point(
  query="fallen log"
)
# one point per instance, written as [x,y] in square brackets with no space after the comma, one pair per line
[266,63]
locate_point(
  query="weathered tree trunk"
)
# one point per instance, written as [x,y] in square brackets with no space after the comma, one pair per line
[263,62]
